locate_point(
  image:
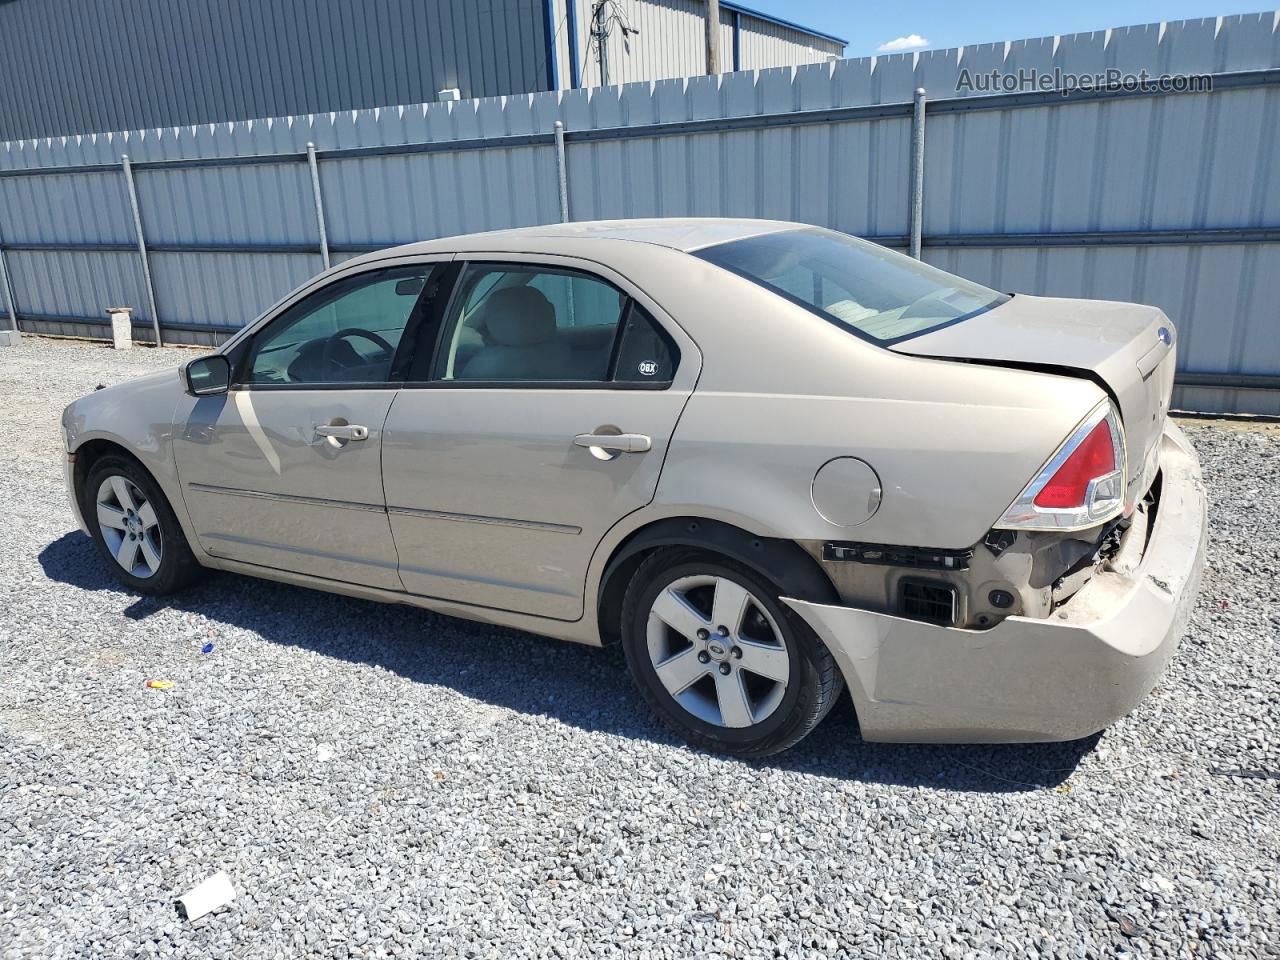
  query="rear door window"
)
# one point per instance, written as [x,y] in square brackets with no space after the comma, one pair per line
[519,323]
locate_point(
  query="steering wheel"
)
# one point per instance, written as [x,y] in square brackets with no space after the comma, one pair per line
[326,358]
[375,338]
[335,359]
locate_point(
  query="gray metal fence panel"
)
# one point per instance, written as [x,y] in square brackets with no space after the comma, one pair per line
[87,208]
[1166,199]
[51,283]
[226,290]
[270,204]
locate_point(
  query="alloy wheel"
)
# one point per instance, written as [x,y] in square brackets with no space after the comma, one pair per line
[718,651]
[129,526]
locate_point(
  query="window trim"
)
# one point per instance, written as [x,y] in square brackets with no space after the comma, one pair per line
[464,263]
[532,385]
[401,359]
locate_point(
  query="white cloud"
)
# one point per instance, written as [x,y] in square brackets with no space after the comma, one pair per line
[901,44]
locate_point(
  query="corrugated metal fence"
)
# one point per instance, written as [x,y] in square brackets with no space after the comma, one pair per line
[1165,198]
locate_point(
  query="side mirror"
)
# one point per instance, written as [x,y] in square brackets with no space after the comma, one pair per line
[207,376]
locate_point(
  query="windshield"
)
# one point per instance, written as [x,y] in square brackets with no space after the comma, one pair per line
[878,294]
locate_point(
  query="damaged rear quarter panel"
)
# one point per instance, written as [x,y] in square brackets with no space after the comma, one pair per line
[953,443]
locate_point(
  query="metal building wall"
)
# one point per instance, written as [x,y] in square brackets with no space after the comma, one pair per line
[671,43]
[1169,199]
[763,44]
[71,66]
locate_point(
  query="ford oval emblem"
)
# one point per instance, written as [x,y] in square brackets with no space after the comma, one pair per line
[1166,336]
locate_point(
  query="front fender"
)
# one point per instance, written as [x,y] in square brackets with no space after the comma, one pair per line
[137,417]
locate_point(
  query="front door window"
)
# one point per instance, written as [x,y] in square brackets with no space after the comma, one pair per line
[345,333]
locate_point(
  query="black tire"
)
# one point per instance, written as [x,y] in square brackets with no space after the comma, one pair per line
[178,567]
[811,689]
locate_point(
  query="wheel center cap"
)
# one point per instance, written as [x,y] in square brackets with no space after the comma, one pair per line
[717,650]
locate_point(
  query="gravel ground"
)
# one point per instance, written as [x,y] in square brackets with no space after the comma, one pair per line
[380,781]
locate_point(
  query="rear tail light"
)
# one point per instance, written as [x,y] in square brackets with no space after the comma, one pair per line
[1082,485]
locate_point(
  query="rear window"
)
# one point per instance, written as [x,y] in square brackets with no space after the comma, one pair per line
[874,292]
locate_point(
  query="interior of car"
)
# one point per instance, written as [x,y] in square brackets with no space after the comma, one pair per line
[527,324]
[347,333]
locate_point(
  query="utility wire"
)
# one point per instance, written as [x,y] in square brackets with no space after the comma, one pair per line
[616,16]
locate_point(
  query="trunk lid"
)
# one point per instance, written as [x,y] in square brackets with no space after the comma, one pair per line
[1127,347]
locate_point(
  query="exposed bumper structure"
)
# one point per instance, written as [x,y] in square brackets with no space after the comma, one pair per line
[1026,679]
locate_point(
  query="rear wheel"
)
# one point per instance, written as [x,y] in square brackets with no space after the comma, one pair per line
[135,528]
[720,658]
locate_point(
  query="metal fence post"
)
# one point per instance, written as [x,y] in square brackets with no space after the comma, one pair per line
[142,247]
[562,172]
[917,171]
[314,163]
[11,335]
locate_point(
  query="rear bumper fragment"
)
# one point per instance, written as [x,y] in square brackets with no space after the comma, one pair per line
[1058,678]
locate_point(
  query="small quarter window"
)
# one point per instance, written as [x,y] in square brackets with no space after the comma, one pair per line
[646,353]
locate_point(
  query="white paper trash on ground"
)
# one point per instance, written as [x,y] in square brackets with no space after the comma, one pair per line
[207,896]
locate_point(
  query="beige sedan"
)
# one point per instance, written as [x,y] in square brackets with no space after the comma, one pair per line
[771,460]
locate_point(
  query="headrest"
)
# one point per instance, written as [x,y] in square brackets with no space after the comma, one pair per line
[518,317]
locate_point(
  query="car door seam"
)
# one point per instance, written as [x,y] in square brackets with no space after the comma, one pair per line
[666,453]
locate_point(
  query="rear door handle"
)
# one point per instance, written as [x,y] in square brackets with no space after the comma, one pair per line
[617,442]
[343,431]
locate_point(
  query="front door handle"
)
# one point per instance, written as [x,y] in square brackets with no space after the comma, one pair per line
[617,442]
[343,431]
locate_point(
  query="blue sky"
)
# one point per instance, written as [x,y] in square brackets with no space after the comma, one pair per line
[868,25]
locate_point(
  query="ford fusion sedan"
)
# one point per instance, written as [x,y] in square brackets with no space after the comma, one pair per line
[772,461]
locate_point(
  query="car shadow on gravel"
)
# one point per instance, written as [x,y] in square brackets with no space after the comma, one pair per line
[580,686]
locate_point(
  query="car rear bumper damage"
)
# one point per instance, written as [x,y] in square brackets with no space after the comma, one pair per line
[1059,678]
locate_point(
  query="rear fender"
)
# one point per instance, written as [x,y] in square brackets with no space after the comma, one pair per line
[781,562]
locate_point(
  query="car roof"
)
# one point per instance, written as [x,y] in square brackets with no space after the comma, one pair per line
[677,233]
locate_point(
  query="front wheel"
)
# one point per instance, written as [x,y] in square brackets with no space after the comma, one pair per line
[720,658]
[135,529]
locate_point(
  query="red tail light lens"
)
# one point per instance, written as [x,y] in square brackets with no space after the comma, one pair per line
[1094,458]
[1081,485]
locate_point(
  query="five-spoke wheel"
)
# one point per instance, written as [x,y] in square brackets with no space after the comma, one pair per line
[130,527]
[717,651]
[133,524]
[720,657]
